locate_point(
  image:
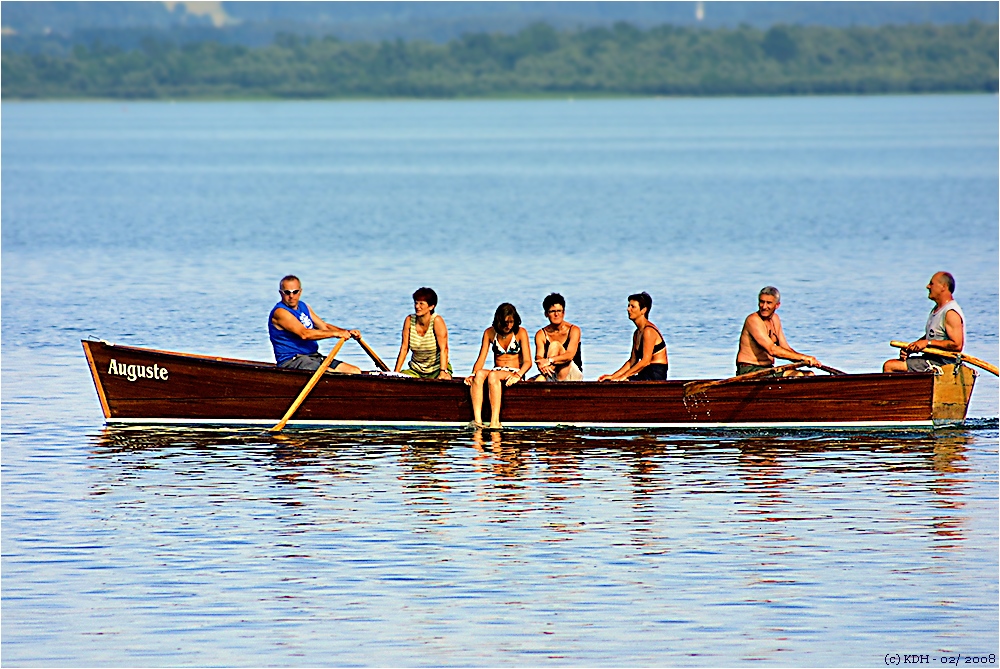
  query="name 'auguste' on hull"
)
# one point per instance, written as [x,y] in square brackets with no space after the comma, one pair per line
[147,386]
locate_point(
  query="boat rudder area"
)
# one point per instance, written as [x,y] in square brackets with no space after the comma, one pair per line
[952,391]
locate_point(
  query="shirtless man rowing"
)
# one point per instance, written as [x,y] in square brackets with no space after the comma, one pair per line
[763,340]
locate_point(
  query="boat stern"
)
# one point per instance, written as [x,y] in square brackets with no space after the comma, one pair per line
[952,390]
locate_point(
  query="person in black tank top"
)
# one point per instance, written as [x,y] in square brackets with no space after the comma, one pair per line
[648,361]
[557,345]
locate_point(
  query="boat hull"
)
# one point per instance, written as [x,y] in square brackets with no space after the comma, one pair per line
[137,385]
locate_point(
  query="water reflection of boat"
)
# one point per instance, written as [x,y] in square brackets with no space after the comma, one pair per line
[769,482]
[138,385]
[560,457]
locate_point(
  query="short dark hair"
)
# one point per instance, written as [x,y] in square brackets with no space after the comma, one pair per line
[500,317]
[949,281]
[644,300]
[427,295]
[553,299]
[288,277]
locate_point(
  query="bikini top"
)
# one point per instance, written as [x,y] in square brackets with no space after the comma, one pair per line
[513,348]
[656,349]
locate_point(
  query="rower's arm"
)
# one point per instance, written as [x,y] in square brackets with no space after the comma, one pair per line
[284,320]
[781,349]
[954,342]
[956,333]
[329,327]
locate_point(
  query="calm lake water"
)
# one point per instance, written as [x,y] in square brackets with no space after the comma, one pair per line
[168,225]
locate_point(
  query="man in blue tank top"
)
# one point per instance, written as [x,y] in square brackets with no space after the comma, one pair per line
[945,330]
[294,329]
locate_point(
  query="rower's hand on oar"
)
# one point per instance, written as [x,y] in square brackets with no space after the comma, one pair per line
[954,355]
[812,362]
[355,334]
[915,347]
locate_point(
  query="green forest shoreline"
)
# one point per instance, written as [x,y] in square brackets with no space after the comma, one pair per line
[535,63]
[541,97]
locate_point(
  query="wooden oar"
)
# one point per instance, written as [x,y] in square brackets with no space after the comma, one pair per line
[982,364]
[695,387]
[313,380]
[374,356]
[831,370]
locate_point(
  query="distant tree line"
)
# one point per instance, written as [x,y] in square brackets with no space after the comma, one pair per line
[620,60]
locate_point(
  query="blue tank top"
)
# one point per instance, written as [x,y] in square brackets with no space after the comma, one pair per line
[287,345]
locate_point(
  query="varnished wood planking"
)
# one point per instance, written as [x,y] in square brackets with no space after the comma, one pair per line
[858,397]
[203,387]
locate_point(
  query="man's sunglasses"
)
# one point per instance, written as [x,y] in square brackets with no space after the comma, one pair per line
[291,292]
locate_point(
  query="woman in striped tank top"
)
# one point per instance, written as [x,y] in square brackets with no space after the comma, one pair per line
[426,336]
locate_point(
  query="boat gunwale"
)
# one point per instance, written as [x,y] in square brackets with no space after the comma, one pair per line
[379,376]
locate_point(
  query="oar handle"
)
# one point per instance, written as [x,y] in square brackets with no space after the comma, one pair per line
[373,355]
[982,364]
[313,380]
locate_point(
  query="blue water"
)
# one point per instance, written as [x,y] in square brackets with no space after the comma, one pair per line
[168,225]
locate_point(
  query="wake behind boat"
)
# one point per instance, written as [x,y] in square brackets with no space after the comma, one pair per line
[147,386]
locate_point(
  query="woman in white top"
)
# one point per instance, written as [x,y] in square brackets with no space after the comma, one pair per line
[426,336]
[511,361]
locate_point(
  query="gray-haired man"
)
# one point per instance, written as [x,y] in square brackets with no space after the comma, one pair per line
[762,339]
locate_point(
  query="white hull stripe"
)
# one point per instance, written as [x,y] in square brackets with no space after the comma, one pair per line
[608,426]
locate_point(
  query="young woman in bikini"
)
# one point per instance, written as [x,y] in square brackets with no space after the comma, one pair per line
[511,361]
[426,336]
[648,361]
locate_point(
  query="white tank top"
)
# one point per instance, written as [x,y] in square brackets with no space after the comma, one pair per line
[935,322]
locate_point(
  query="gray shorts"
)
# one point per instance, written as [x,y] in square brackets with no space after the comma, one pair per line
[309,362]
[922,364]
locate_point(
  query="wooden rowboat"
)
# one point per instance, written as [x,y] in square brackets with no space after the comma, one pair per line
[138,385]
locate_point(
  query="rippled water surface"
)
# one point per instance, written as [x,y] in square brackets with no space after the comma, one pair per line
[168,226]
